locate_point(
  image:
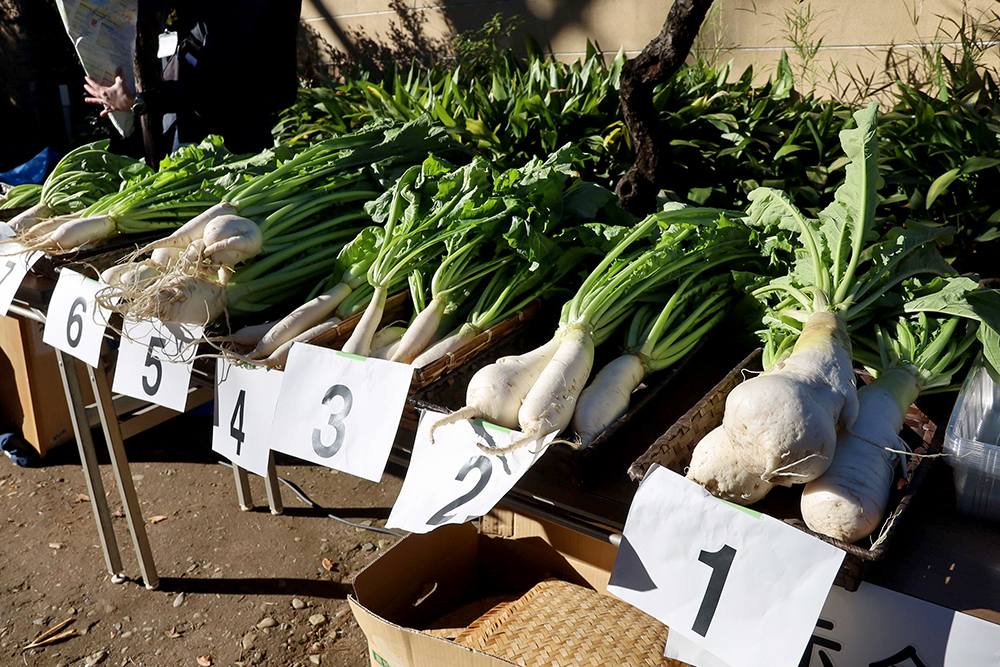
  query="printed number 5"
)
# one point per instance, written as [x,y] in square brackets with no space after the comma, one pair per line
[152,362]
[336,421]
[485,468]
[720,562]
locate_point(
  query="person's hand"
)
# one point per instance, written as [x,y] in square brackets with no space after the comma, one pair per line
[116,97]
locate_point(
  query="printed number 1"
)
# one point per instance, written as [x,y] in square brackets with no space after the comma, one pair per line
[236,430]
[720,562]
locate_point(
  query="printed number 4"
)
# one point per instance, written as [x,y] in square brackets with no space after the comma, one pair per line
[720,561]
[236,430]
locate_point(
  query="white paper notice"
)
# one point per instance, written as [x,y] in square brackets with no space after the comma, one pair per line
[15,262]
[245,399]
[75,322]
[453,480]
[340,410]
[877,627]
[155,361]
[742,585]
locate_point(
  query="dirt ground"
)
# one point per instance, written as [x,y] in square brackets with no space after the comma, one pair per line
[236,588]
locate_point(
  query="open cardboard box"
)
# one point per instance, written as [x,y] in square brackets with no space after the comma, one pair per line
[424,579]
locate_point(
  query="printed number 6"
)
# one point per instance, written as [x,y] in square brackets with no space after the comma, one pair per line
[485,468]
[336,421]
[152,362]
[75,318]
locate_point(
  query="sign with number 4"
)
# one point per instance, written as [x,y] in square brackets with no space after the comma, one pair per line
[75,323]
[452,480]
[740,584]
[245,399]
[339,410]
[155,361]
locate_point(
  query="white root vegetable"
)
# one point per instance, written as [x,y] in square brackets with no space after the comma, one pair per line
[78,232]
[250,334]
[607,397]
[496,391]
[849,500]
[192,229]
[420,333]
[27,219]
[783,423]
[112,275]
[193,252]
[45,227]
[301,319]
[181,298]
[714,466]
[445,346]
[231,239]
[361,338]
[385,341]
[138,277]
[164,257]
[278,358]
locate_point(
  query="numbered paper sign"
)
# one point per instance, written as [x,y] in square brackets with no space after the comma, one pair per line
[340,410]
[453,480]
[877,627]
[155,361]
[245,399]
[742,585]
[75,322]
[15,262]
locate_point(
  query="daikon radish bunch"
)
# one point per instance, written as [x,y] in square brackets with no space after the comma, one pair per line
[77,181]
[783,424]
[22,195]
[537,392]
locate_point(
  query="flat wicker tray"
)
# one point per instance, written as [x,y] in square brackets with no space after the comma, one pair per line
[557,623]
[673,450]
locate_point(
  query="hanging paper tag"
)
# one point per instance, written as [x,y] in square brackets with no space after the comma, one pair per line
[452,480]
[742,585]
[15,262]
[245,399]
[75,322]
[340,410]
[155,361]
[166,45]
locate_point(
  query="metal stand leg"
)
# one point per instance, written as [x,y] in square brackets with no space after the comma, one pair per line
[273,489]
[88,460]
[123,475]
[243,488]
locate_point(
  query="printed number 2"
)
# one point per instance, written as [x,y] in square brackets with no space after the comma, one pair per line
[152,362]
[75,318]
[720,562]
[336,421]
[485,468]
[236,430]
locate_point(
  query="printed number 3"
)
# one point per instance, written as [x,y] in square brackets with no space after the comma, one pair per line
[336,421]
[485,468]
[720,562]
[152,362]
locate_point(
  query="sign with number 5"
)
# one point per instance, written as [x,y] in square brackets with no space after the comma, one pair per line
[155,361]
[744,586]
[339,410]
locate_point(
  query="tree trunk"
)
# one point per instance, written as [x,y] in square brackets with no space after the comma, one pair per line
[661,58]
[147,75]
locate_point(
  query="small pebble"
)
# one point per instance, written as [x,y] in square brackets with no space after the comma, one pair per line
[248,641]
[96,658]
[126,635]
[298,604]
[267,622]
[314,659]
[317,619]
[179,600]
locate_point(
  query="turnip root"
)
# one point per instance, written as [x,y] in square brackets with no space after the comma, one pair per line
[714,466]
[607,397]
[420,332]
[783,423]
[849,500]
[301,319]
[496,391]
[231,239]
[25,220]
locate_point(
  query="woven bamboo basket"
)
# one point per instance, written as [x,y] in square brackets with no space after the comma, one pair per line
[673,450]
[557,623]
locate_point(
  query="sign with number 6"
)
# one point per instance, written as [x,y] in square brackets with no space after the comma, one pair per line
[740,584]
[339,410]
[155,361]
[75,322]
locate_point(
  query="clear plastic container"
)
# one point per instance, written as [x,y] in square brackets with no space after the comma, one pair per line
[972,442]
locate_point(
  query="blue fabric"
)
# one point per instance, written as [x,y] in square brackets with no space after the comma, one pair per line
[33,171]
[17,451]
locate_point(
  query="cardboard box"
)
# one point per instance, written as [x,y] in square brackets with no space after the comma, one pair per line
[427,577]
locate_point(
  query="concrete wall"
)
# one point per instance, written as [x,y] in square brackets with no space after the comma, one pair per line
[856,35]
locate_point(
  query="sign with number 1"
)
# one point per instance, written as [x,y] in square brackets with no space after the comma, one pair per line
[75,323]
[742,585]
[155,361]
[245,399]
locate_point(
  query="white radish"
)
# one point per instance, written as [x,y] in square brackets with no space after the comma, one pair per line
[420,333]
[783,423]
[183,299]
[46,227]
[192,254]
[192,229]
[112,275]
[714,466]
[607,397]
[301,319]
[77,233]
[496,391]
[27,219]
[361,338]
[385,341]
[249,335]
[445,346]
[164,257]
[231,239]
[278,358]
[849,500]
[138,276]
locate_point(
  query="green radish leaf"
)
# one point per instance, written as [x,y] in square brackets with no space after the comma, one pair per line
[977,163]
[940,185]
[788,149]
